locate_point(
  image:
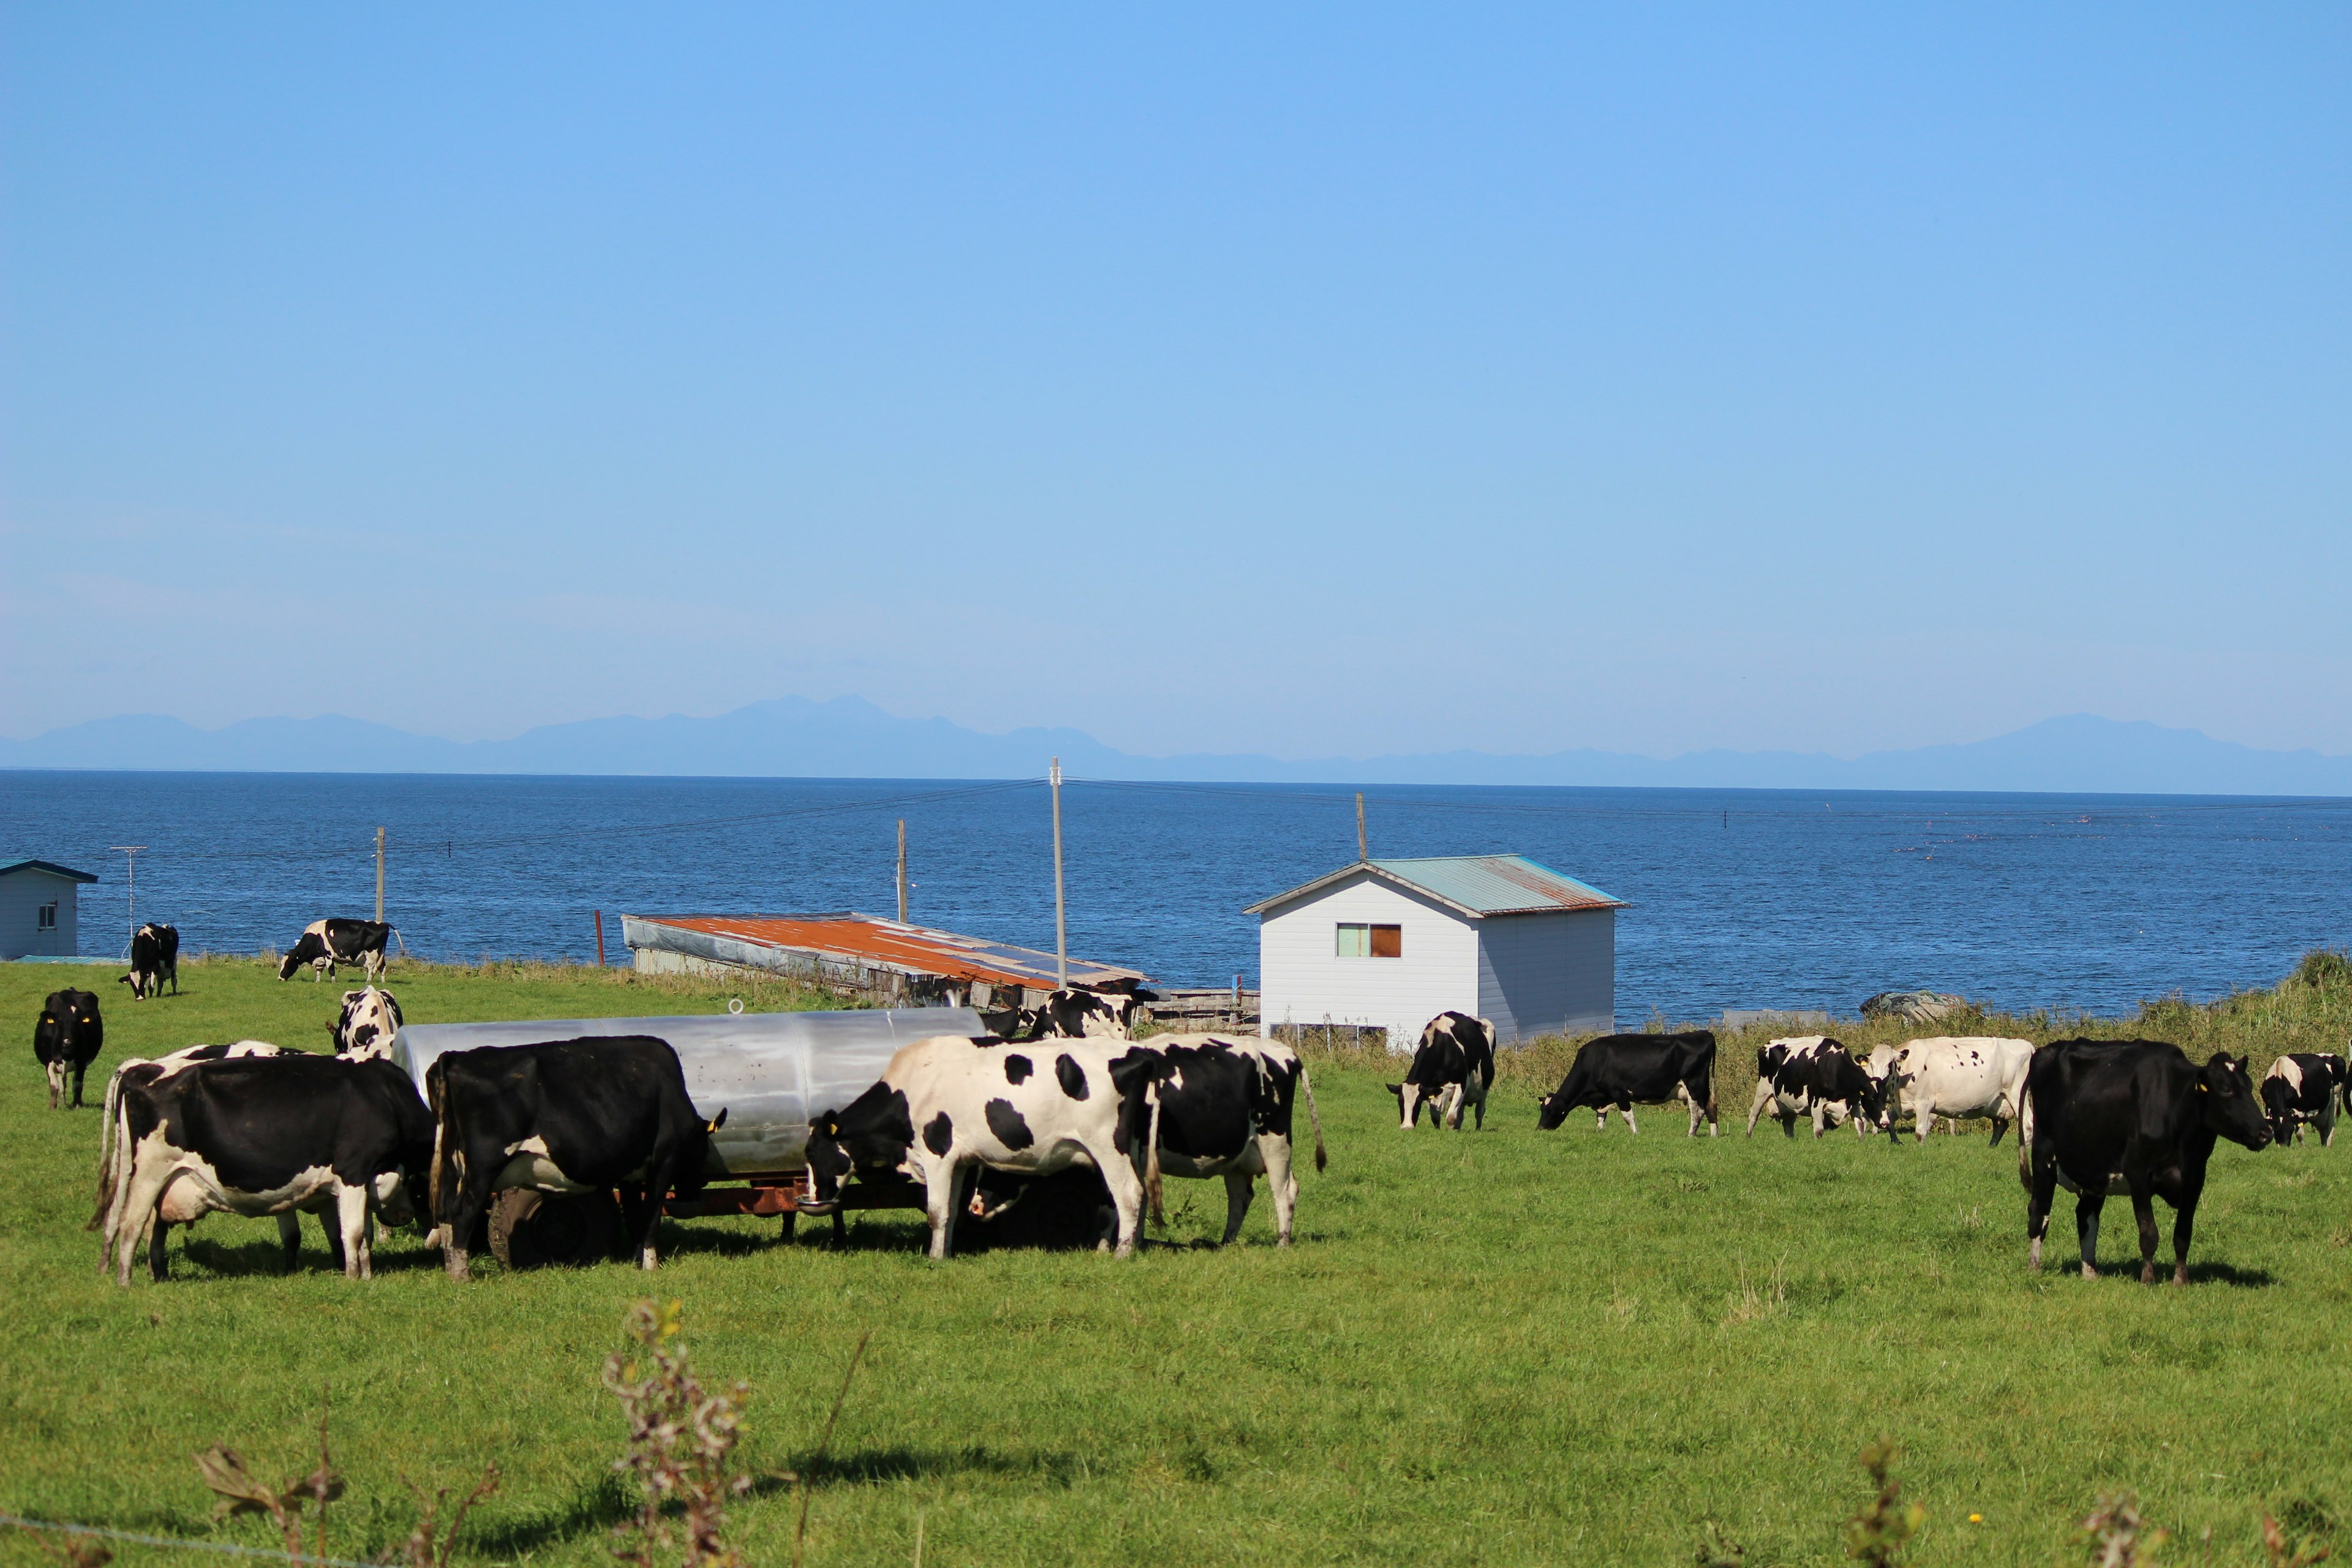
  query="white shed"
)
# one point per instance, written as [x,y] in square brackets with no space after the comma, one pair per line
[1392,943]
[37,913]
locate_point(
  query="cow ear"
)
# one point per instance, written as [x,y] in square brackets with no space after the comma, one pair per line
[716,1122]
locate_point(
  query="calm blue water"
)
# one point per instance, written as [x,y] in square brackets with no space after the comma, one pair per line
[1741,897]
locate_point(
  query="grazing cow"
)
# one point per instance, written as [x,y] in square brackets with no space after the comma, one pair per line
[1083,1015]
[948,1104]
[1213,1105]
[1069,1211]
[268,1136]
[154,958]
[2301,1086]
[2138,1112]
[1815,1075]
[564,1116]
[365,1027]
[67,1040]
[1955,1077]
[326,944]
[1453,1068]
[1626,1071]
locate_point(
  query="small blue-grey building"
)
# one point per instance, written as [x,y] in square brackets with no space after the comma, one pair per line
[37,914]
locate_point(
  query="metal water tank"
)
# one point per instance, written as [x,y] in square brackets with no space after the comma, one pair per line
[769,1071]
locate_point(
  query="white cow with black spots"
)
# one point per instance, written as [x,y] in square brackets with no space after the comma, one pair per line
[1956,1077]
[948,1105]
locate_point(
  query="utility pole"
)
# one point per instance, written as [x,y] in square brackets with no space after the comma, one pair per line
[1061,924]
[1361,852]
[902,870]
[131,880]
[379,876]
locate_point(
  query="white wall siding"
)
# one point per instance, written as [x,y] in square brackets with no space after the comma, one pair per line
[22,894]
[1302,979]
[1549,973]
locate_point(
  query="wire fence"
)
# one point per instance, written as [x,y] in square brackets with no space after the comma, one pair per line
[183,1543]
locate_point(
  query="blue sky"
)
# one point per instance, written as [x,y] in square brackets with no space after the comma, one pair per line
[1328,380]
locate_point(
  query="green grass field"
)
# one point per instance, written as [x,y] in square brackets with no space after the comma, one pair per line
[1505,1347]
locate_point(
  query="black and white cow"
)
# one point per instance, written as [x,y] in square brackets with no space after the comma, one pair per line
[154,958]
[1218,1105]
[1089,1015]
[564,1116]
[2301,1086]
[326,944]
[948,1104]
[269,1135]
[114,1150]
[369,1019]
[1626,1071]
[2136,1116]
[1452,1070]
[1815,1075]
[67,1040]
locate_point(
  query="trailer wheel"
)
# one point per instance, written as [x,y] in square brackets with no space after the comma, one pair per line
[530,1230]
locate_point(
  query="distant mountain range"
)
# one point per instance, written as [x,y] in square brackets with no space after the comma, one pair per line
[849,737]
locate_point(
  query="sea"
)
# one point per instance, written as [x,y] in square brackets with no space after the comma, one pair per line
[1739,899]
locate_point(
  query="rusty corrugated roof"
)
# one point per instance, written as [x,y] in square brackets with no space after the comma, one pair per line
[910,949]
[1477,885]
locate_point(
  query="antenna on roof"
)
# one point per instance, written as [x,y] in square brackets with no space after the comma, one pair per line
[130,878]
[1061,928]
[1361,852]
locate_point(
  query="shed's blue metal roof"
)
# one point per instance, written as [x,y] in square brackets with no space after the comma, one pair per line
[1477,885]
[51,867]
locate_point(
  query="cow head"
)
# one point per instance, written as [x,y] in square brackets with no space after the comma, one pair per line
[1409,1102]
[1550,1111]
[289,963]
[875,1133]
[2226,1103]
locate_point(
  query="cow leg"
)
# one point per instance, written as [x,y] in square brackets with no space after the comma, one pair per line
[939,1204]
[1756,1105]
[2326,1122]
[56,1076]
[1820,1117]
[352,1204]
[840,1228]
[2143,1211]
[1480,1103]
[159,1260]
[1239,1185]
[1927,1118]
[2184,1225]
[1600,1115]
[289,1237]
[1696,1112]
[141,1216]
[2086,1228]
[1625,1109]
[1282,1180]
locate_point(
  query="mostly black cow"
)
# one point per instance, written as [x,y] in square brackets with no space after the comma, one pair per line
[1082,1014]
[948,1105]
[2138,1112]
[1452,1070]
[366,1025]
[154,958]
[1213,1105]
[326,944]
[114,1151]
[67,1040]
[566,1116]
[1813,1075]
[269,1135]
[1626,1071]
[2303,1087]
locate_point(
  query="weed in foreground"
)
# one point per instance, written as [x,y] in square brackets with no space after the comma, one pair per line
[1877,1534]
[1717,1549]
[241,1492]
[680,1441]
[2119,1537]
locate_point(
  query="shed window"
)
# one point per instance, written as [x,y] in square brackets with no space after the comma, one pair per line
[1370,941]
[48,920]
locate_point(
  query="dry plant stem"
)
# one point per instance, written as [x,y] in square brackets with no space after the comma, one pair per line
[680,1442]
[78,1553]
[825,1442]
[421,1550]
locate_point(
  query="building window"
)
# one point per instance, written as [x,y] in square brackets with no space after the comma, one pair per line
[1371,942]
[48,917]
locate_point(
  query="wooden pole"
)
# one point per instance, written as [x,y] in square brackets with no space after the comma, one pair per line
[600,938]
[379,876]
[1361,852]
[1061,923]
[902,870]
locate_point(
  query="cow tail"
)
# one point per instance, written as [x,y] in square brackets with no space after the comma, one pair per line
[401,940]
[1151,1159]
[1314,1117]
[440,1123]
[107,1140]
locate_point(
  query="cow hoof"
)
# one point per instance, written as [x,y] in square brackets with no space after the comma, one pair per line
[454,1259]
[2089,1272]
